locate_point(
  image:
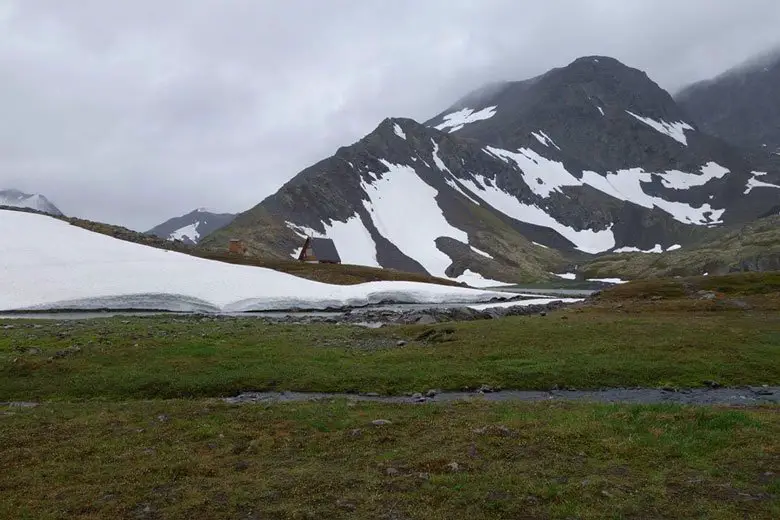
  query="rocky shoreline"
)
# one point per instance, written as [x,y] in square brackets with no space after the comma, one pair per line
[711,394]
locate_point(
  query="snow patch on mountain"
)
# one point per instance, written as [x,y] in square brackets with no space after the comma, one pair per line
[452,184]
[753,183]
[190,232]
[544,139]
[480,252]
[353,241]
[18,199]
[477,280]
[399,131]
[585,240]
[627,185]
[457,120]
[675,130]
[631,249]
[678,180]
[403,208]
[543,176]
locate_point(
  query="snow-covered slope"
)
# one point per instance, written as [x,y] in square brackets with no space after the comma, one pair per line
[46,263]
[18,199]
[193,226]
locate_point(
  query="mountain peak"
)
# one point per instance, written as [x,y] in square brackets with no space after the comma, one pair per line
[19,199]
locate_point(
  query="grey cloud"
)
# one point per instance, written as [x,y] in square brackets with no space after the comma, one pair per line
[133,112]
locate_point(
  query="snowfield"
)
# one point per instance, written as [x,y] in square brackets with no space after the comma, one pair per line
[457,120]
[675,130]
[46,263]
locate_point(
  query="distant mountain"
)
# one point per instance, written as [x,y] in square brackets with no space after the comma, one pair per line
[519,178]
[741,106]
[190,228]
[18,199]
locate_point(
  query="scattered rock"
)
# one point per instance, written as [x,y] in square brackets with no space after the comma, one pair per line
[472,451]
[381,422]
[669,389]
[163,418]
[707,295]
[607,494]
[762,391]
[400,343]
[656,298]
[67,352]
[392,472]
[34,351]
[357,432]
[454,467]
[485,389]
[22,404]
[542,314]
[346,505]
[417,396]
[371,394]
[8,327]
[711,384]
[426,319]
[430,394]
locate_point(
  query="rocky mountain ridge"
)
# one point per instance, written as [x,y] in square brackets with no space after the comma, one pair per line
[518,179]
[191,227]
[18,199]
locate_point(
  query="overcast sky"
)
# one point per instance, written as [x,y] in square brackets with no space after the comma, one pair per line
[131,112]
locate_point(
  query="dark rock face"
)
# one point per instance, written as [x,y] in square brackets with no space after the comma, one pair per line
[191,227]
[741,106]
[584,159]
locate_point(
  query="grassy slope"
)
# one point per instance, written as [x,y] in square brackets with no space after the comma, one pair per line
[115,456]
[207,460]
[755,246]
[627,337]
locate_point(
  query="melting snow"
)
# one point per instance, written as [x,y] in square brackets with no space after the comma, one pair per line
[479,252]
[49,264]
[404,210]
[524,303]
[682,181]
[544,139]
[675,247]
[566,276]
[542,175]
[540,245]
[437,160]
[627,185]
[452,184]
[190,232]
[631,249]
[399,131]
[477,280]
[614,281]
[675,130]
[457,120]
[585,240]
[449,180]
[755,183]
[600,110]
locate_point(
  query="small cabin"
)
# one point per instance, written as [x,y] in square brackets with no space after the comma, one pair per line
[236,246]
[319,250]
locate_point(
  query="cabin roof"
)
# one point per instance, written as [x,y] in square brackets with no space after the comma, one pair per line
[324,249]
